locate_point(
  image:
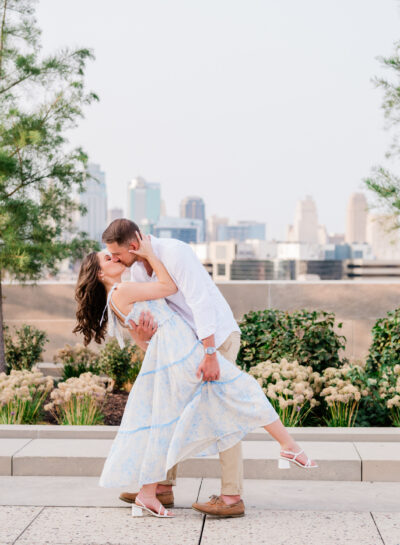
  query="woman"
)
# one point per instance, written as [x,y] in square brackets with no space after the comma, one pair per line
[171,414]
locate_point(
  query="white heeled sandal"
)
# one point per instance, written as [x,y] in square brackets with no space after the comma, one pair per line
[284,461]
[138,510]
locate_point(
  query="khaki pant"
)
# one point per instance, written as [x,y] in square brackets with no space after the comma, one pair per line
[231,459]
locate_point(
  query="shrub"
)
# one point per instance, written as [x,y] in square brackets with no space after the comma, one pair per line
[79,400]
[25,349]
[384,349]
[304,336]
[121,364]
[77,359]
[290,387]
[21,395]
[389,391]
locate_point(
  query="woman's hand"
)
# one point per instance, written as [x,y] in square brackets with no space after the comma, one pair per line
[145,249]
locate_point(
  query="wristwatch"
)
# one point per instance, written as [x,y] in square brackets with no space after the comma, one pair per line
[210,350]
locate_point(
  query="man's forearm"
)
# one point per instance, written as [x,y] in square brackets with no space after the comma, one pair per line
[208,341]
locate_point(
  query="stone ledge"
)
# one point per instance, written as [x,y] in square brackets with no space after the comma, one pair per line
[337,461]
[386,435]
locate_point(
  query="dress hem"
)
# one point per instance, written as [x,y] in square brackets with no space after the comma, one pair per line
[193,454]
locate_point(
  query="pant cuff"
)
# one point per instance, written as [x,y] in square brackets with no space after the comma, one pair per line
[231,491]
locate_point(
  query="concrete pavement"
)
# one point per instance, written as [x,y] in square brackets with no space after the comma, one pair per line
[39,510]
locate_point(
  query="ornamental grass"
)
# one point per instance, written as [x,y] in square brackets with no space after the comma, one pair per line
[21,395]
[290,387]
[389,391]
[342,392]
[79,400]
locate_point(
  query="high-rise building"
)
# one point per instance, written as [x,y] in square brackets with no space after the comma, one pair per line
[356,219]
[95,199]
[194,208]
[241,231]
[185,229]
[144,202]
[305,227]
[213,224]
[114,214]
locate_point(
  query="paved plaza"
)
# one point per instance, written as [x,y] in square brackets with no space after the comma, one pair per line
[48,510]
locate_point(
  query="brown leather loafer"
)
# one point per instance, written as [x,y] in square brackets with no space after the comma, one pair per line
[166,498]
[218,508]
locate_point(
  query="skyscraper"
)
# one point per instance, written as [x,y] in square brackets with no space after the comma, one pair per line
[194,208]
[213,224]
[356,219]
[95,199]
[305,227]
[144,202]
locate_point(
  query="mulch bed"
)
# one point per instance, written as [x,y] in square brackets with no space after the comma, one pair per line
[113,409]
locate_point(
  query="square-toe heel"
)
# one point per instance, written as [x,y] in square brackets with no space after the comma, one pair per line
[283,464]
[137,511]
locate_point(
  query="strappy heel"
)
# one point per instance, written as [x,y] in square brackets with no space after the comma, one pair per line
[138,510]
[283,462]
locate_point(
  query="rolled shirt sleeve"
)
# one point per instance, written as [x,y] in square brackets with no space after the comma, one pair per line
[191,278]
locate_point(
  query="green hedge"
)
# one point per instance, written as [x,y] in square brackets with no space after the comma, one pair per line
[306,336]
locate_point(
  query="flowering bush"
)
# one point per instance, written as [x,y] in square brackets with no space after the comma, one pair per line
[21,395]
[77,359]
[343,389]
[389,390]
[121,364]
[25,348]
[79,400]
[290,387]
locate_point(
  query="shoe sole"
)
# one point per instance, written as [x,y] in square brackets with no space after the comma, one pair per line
[133,501]
[217,516]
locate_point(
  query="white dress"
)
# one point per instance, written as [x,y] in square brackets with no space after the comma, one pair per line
[170,414]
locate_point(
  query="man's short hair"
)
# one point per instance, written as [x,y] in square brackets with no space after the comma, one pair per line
[122,231]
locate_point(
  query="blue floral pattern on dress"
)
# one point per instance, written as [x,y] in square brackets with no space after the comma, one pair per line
[172,415]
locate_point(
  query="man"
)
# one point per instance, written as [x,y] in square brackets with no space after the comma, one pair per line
[202,305]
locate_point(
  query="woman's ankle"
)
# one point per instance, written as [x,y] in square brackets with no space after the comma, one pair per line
[289,445]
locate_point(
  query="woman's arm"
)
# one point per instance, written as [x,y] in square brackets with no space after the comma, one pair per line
[131,292]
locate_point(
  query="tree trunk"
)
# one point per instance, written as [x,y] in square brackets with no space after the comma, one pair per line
[2,353]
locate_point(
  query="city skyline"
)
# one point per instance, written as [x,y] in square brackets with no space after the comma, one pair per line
[277,103]
[305,210]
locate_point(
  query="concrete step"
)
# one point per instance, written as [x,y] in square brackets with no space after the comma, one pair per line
[322,433]
[338,461]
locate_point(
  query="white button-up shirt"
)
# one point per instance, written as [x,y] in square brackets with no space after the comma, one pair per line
[198,300]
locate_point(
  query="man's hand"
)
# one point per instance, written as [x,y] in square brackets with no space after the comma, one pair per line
[144,330]
[209,367]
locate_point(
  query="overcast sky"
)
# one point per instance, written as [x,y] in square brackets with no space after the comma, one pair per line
[251,104]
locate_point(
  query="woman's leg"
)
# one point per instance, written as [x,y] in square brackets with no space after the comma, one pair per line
[147,495]
[280,433]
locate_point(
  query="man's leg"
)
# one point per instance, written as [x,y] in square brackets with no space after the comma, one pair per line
[170,480]
[231,459]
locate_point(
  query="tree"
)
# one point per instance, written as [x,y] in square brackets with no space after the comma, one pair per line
[383,182]
[41,97]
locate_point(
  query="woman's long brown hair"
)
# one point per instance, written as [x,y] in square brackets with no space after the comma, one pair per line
[91,296]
